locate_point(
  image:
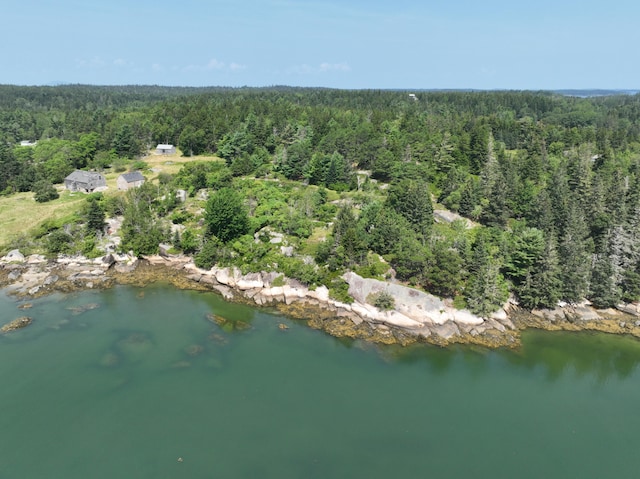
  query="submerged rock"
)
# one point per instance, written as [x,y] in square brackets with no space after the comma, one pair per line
[83,308]
[19,323]
[214,318]
[194,350]
[218,338]
[110,360]
[135,343]
[228,325]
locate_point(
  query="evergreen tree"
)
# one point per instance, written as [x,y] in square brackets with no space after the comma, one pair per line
[479,147]
[526,245]
[411,198]
[124,142]
[470,198]
[409,259]
[350,247]
[94,215]
[486,289]
[541,287]
[494,188]
[140,231]
[574,250]
[603,291]
[226,216]
[9,166]
[444,271]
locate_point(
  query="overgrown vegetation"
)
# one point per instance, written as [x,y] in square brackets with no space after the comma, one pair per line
[312,183]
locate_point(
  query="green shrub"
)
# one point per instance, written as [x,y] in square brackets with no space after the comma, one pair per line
[459,302]
[339,291]
[373,268]
[383,300]
[297,269]
[179,217]
[44,191]
[210,254]
[139,165]
[59,242]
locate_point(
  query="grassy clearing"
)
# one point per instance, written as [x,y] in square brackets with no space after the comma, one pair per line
[20,213]
[310,245]
[171,164]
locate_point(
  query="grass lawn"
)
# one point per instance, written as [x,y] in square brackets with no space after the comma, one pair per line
[171,164]
[20,213]
[310,245]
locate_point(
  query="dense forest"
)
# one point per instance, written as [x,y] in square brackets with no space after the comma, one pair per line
[350,181]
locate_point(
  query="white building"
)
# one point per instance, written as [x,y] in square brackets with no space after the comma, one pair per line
[162,149]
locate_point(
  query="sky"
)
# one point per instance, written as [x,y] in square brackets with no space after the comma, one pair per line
[351,44]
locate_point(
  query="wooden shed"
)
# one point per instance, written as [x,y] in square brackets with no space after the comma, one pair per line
[133,179]
[165,149]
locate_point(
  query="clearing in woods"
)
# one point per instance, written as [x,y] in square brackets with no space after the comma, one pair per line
[20,213]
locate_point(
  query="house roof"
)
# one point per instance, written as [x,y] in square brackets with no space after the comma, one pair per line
[132,177]
[83,176]
[164,147]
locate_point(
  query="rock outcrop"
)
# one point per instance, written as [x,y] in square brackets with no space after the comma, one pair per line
[19,323]
[37,275]
[415,315]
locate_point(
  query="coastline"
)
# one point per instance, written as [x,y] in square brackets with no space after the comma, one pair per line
[418,317]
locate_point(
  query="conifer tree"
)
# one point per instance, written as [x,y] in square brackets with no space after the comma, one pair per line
[574,250]
[542,287]
[486,288]
[411,198]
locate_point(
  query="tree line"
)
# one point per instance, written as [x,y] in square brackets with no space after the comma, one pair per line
[552,180]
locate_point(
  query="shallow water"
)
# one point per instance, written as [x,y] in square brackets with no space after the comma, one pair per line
[123,383]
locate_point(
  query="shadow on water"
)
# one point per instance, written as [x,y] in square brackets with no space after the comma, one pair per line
[556,354]
[553,355]
[583,354]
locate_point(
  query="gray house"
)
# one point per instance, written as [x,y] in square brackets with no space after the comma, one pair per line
[85,181]
[133,179]
[165,149]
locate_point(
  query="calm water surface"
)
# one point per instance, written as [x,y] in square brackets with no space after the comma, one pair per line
[125,389]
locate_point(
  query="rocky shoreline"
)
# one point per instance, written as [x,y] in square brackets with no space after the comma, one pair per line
[416,316]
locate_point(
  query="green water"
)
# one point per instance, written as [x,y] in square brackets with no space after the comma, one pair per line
[127,388]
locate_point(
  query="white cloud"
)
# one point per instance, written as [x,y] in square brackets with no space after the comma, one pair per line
[215,65]
[342,67]
[95,62]
[121,62]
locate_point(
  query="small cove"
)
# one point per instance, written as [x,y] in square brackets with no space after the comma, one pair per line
[123,382]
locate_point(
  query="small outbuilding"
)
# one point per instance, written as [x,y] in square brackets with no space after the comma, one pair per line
[165,150]
[133,179]
[85,181]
